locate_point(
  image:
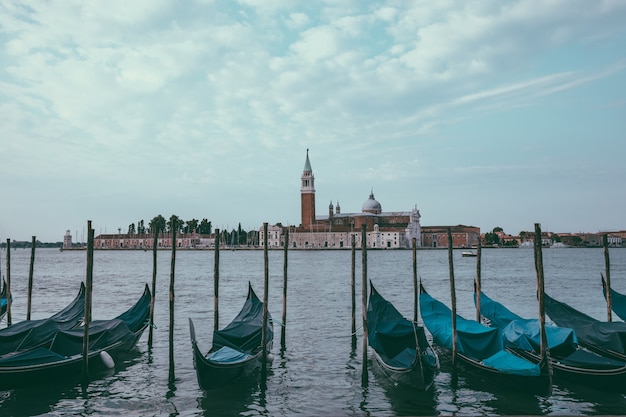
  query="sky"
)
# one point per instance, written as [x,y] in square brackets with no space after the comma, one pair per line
[483,113]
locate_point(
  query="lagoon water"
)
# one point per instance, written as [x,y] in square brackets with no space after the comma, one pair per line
[319,372]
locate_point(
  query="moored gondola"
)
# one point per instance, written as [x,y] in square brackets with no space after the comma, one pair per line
[29,334]
[570,362]
[237,349]
[62,356]
[401,349]
[480,350]
[605,338]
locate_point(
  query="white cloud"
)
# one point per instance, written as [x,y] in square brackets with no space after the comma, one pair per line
[210,87]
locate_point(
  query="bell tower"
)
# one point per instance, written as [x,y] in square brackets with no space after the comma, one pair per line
[307,194]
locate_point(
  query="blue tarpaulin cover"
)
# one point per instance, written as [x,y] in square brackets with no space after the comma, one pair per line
[228,355]
[474,340]
[524,333]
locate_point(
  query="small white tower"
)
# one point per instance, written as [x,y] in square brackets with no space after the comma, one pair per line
[67,240]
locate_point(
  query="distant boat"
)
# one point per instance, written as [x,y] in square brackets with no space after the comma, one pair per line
[468,254]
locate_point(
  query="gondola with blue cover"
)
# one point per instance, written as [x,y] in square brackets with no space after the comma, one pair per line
[480,349]
[605,338]
[401,349]
[237,350]
[570,362]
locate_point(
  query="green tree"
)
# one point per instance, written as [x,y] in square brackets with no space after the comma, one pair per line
[141,229]
[191,225]
[174,224]
[157,225]
[205,227]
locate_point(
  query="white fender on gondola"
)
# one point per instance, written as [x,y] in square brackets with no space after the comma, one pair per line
[107,360]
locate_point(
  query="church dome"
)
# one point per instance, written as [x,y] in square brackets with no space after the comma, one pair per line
[371,205]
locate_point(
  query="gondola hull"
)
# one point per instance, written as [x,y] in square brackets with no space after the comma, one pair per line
[213,375]
[610,379]
[417,376]
[539,384]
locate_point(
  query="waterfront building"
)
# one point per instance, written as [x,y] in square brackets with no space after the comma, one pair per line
[146,240]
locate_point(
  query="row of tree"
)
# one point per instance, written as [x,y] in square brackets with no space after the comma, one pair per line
[159,224]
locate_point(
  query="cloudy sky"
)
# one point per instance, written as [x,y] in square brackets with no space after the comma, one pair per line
[484,113]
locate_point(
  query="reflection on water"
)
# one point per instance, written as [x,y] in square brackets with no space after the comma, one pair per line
[319,372]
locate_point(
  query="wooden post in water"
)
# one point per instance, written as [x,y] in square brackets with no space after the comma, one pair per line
[216,282]
[174,225]
[155,243]
[353,291]
[284,324]
[477,289]
[30,278]
[88,295]
[452,296]
[364,286]
[545,352]
[265,298]
[8,283]
[607,266]
[415,287]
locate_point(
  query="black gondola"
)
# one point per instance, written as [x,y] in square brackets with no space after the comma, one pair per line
[401,349]
[480,350]
[237,351]
[570,362]
[29,334]
[605,338]
[62,357]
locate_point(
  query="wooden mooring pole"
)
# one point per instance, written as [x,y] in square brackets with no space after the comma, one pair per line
[415,286]
[353,291]
[8,282]
[88,295]
[452,295]
[477,287]
[283,343]
[364,287]
[174,225]
[30,278]
[545,352]
[216,282]
[265,299]
[607,268]
[155,243]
